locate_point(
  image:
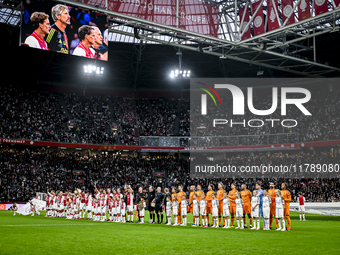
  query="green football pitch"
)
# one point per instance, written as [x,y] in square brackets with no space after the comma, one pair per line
[40,235]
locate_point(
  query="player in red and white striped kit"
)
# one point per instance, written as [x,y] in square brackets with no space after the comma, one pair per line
[110,206]
[64,201]
[88,203]
[82,206]
[301,200]
[53,204]
[48,205]
[95,209]
[122,210]
[102,208]
[129,205]
[118,209]
[76,204]
[60,204]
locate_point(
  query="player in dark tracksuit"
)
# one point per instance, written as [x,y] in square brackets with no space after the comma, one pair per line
[159,198]
[151,197]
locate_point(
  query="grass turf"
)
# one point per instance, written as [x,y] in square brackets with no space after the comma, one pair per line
[40,235]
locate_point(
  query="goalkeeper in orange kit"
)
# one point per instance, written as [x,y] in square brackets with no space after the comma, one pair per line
[287,198]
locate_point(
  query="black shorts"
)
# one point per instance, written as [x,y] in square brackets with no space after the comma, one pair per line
[158,208]
[150,208]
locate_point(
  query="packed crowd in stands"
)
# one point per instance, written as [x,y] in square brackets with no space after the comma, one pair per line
[145,117]
[165,115]
[45,116]
[92,117]
[33,116]
[24,171]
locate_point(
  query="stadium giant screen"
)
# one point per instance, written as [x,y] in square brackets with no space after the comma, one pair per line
[65,29]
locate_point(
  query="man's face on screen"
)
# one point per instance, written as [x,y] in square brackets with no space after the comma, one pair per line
[99,37]
[45,27]
[91,37]
[65,17]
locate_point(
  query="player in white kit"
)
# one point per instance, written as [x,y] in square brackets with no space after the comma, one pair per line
[114,208]
[226,210]
[196,210]
[255,202]
[175,206]
[203,211]
[239,211]
[280,203]
[266,202]
[214,215]
[301,200]
[118,209]
[184,210]
[122,210]
[168,210]
[142,212]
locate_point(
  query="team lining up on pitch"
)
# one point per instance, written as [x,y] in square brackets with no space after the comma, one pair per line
[222,206]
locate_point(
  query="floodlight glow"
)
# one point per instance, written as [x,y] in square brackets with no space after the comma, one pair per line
[89,69]
[179,73]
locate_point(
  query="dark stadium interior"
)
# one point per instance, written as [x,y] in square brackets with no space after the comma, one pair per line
[47,88]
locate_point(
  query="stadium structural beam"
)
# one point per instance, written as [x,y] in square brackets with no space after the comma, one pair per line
[162,34]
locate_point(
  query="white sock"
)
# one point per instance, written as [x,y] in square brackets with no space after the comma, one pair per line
[242,224]
[304,216]
[283,223]
[175,217]
[238,223]
[254,223]
[300,216]
[131,217]
[279,223]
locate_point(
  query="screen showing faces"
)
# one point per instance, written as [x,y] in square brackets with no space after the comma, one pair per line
[48,25]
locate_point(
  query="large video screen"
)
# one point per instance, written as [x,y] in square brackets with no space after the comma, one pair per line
[49,25]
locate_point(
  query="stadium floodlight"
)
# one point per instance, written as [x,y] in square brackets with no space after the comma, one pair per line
[92,69]
[180,74]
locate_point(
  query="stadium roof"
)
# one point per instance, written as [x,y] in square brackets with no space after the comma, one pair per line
[9,12]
